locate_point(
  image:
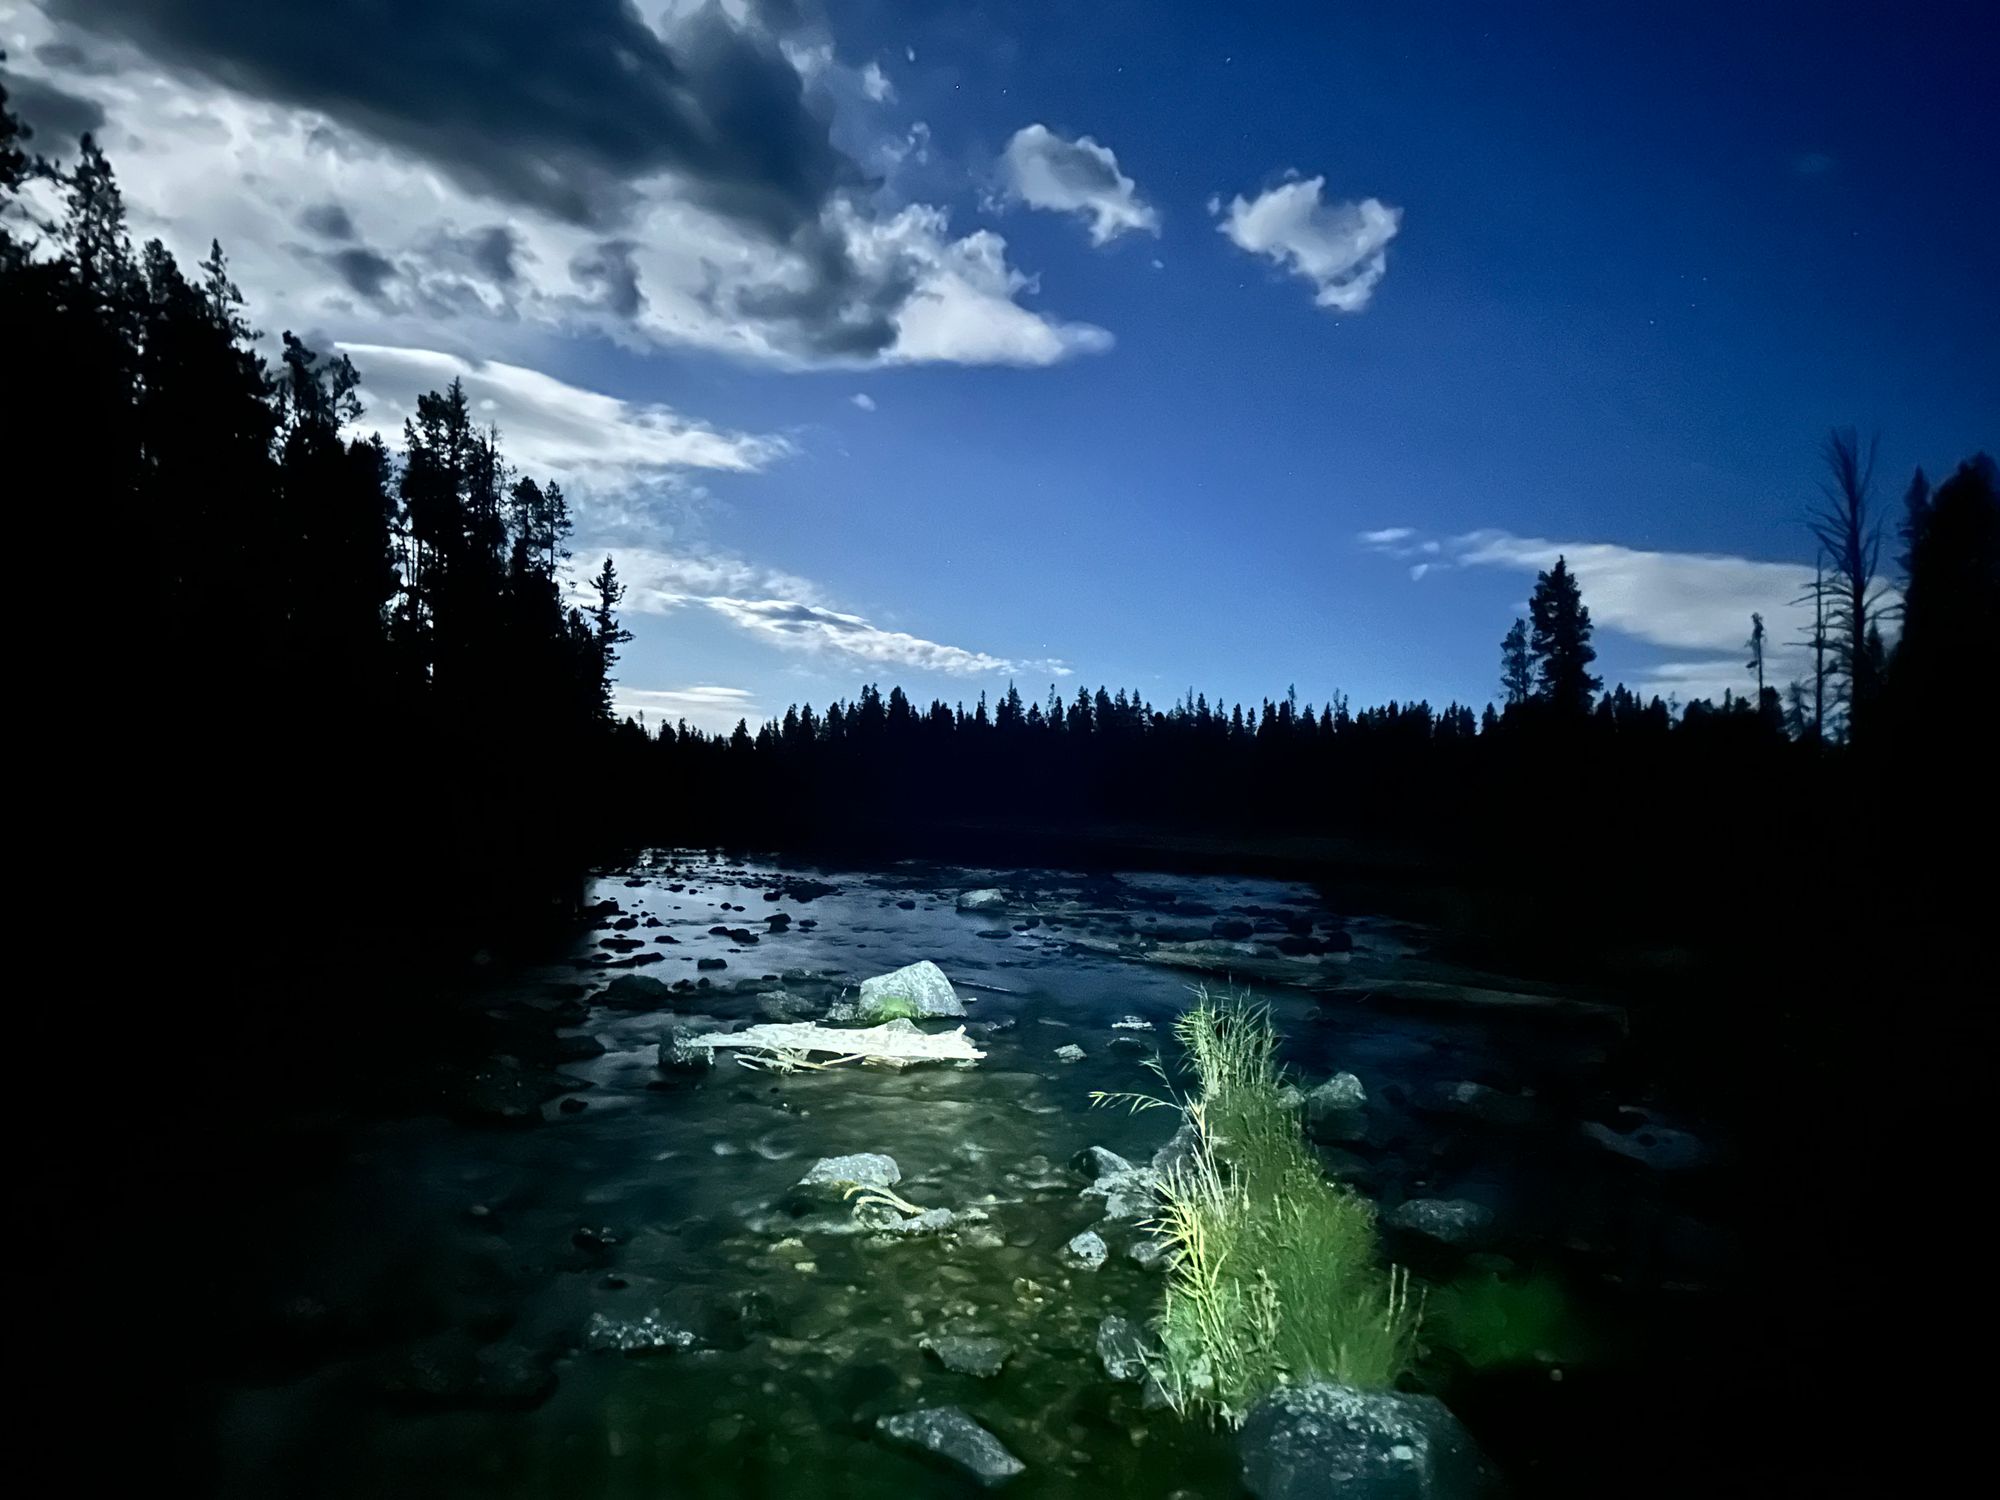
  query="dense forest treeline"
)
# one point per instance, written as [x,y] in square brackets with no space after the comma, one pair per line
[376,659]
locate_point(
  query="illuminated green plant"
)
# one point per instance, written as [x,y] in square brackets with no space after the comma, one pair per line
[1275,1272]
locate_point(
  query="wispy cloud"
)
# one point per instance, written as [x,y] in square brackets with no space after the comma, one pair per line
[1043,170]
[704,706]
[1341,248]
[552,428]
[791,614]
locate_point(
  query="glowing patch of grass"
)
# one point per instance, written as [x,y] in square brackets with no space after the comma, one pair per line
[1276,1276]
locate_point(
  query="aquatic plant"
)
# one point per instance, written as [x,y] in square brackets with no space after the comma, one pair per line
[1276,1275]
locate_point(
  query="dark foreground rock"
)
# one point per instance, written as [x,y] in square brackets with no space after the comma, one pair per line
[1330,1442]
[949,1435]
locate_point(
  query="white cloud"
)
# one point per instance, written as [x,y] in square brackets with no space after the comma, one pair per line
[1341,248]
[787,612]
[1078,177]
[704,706]
[875,84]
[866,284]
[863,400]
[1387,536]
[964,309]
[551,428]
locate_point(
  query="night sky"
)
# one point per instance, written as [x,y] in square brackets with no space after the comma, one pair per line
[1170,346]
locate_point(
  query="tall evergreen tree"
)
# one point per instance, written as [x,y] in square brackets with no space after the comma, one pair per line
[1517,665]
[1560,641]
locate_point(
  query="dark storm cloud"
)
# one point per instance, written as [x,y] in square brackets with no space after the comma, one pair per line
[564,106]
[329,221]
[610,270]
[363,270]
[493,249]
[56,116]
[837,312]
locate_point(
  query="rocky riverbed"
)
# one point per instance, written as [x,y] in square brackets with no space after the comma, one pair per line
[563,1268]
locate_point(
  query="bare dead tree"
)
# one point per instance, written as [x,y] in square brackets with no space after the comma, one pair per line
[1815,595]
[1850,535]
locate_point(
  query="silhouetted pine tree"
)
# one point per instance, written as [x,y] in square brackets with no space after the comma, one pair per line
[1560,642]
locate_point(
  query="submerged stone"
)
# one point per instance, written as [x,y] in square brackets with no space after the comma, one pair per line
[982,1358]
[1657,1146]
[1086,1251]
[948,1434]
[1123,1348]
[1331,1442]
[1450,1221]
[648,1333]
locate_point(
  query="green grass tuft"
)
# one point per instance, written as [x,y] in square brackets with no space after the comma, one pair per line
[1277,1277]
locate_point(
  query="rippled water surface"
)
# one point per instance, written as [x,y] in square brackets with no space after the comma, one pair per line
[432,1281]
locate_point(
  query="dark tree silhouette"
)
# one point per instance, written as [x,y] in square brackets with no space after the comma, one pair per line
[1850,537]
[1948,659]
[1517,665]
[1560,642]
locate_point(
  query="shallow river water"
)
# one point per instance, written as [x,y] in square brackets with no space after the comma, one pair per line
[429,1290]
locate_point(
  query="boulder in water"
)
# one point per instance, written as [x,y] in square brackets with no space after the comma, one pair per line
[868,1169]
[635,992]
[948,1434]
[1331,1442]
[918,991]
[987,898]
[981,1358]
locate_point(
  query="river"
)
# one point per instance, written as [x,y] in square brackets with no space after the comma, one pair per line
[418,1310]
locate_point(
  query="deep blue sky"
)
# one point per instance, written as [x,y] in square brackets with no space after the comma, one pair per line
[1644,263]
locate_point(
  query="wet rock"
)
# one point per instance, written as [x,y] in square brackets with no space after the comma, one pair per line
[1334,1110]
[918,991]
[1128,1192]
[1478,1102]
[1180,1148]
[644,1334]
[1131,1023]
[962,1355]
[1086,1251]
[1342,1091]
[1450,1221]
[988,898]
[806,890]
[620,944]
[1232,929]
[1146,1252]
[635,992]
[866,1169]
[711,963]
[742,936]
[1649,1143]
[1330,1442]
[1069,1052]
[949,1435]
[1095,1162]
[1123,1349]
